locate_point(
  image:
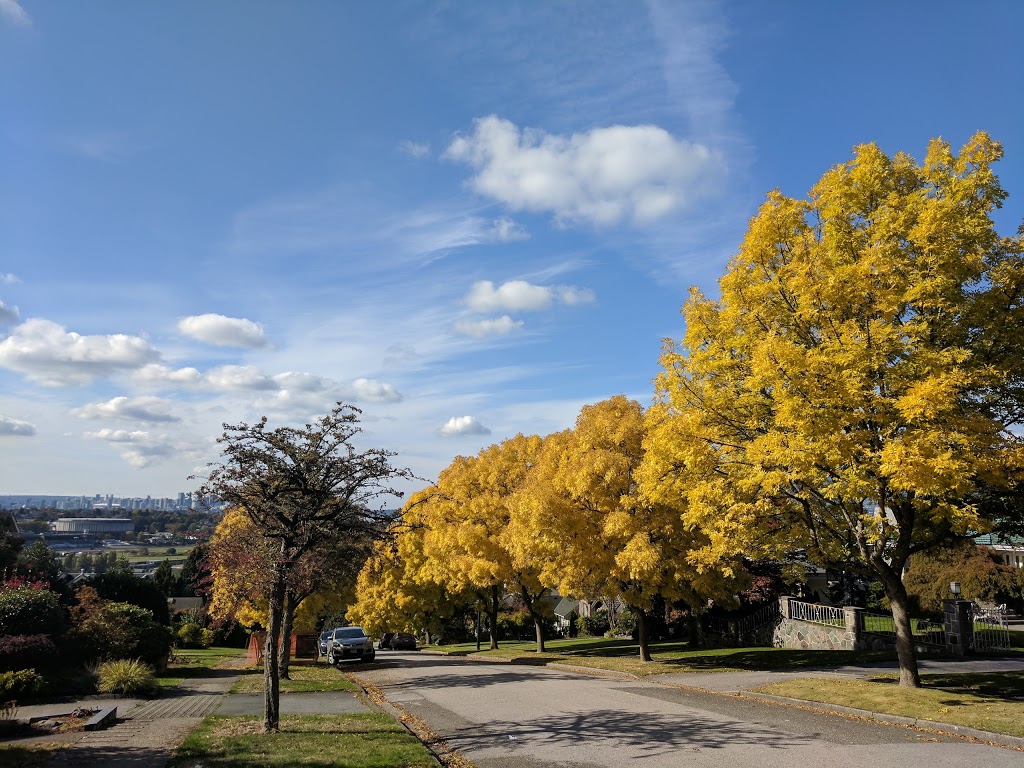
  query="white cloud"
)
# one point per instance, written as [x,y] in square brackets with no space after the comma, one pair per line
[522,296]
[10,9]
[604,176]
[8,278]
[573,297]
[8,315]
[506,230]
[232,378]
[223,331]
[15,428]
[150,409]
[414,148]
[463,425]
[46,353]
[483,329]
[157,375]
[140,449]
[515,295]
[302,382]
[376,391]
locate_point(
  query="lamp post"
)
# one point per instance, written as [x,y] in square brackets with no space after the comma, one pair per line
[954,588]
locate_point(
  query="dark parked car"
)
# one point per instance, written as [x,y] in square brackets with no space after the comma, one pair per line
[349,643]
[385,641]
[403,641]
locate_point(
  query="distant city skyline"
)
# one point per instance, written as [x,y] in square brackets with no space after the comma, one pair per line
[182,501]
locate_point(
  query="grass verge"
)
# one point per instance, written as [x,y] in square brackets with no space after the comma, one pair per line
[621,655]
[991,701]
[371,740]
[306,677]
[198,663]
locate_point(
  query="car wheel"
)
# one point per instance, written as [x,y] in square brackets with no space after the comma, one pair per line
[371,657]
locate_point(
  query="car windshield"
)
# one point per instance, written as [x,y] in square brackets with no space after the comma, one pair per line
[348,632]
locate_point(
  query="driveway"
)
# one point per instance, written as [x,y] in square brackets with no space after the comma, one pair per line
[505,716]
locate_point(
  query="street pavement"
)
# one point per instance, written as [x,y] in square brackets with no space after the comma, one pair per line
[506,716]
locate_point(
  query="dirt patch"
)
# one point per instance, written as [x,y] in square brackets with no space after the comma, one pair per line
[69,722]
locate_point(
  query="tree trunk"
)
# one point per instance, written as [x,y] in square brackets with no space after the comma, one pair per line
[492,616]
[897,594]
[271,671]
[530,602]
[285,652]
[643,632]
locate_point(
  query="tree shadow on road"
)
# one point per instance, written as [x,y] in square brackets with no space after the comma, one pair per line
[646,734]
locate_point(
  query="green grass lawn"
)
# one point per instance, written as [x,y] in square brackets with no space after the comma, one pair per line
[306,677]
[199,662]
[620,655]
[991,701]
[370,740]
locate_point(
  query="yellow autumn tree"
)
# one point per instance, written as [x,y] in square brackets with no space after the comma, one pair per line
[397,590]
[581,516]
[854,392]
[467,529]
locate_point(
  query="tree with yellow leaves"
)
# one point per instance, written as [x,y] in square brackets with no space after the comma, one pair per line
[467,532]
[581,517]
[853,394]
[396,590]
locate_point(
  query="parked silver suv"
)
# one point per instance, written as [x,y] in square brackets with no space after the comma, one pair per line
[349,643]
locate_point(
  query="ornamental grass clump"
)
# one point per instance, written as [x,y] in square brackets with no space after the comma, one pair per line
[129,677]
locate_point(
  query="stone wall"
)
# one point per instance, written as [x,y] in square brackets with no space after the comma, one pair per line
[790,633]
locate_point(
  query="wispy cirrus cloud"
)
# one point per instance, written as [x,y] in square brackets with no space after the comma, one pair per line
[224,331]
[487,328]
[604,176]
[414,148]
[343,220]
[13,12]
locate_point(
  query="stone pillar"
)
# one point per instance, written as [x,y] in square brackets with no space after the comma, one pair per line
[854,618]
[784,606]
[959,624]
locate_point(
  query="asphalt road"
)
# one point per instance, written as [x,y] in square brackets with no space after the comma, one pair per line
[504,716]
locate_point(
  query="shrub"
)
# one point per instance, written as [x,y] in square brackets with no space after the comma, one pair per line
[21,684]
[595,625]
[29,609]
[127,677]
[192,635]
[104,631]
[21,651]
[128,588]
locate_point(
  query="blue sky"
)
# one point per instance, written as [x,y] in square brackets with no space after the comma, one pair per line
[468,219]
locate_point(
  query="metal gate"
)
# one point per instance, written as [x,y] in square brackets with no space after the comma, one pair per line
[991,632]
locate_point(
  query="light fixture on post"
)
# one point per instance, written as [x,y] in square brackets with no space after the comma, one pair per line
[954,588]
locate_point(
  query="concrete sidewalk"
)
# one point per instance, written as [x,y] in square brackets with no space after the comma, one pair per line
[148,731]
